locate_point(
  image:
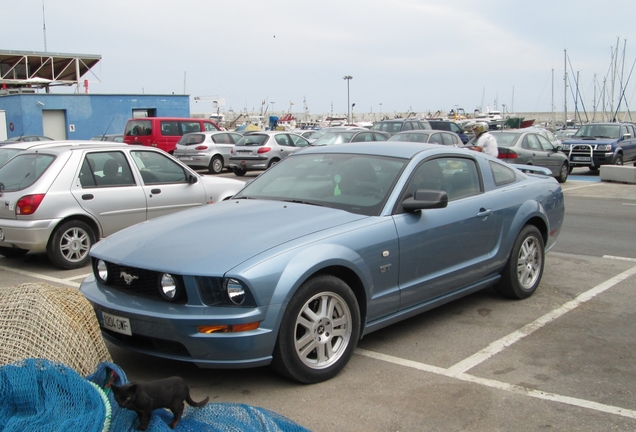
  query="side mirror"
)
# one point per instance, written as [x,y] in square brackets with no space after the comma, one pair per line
[627,136]
[425,199]
[192,179]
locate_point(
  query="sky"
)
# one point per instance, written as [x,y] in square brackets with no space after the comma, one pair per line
[402,55]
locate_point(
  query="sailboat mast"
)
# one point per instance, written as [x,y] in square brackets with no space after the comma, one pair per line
[565,80]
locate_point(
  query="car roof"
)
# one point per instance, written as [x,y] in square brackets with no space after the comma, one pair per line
[400,149]
[62,146]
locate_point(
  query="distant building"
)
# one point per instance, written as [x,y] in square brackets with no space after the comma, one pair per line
[26,80]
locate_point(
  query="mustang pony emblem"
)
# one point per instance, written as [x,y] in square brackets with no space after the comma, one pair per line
[127,277]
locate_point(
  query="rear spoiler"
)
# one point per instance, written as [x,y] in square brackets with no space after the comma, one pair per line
[533,169]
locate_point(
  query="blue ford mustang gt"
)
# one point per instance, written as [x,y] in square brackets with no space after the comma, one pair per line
[328,245]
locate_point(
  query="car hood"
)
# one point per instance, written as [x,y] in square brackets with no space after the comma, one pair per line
[590,141]
[213,239]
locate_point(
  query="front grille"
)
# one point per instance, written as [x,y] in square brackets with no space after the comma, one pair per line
[132,280]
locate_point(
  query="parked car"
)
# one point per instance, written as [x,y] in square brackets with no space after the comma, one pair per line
[319,133]
[109,137]
[209,150]
[527,147]
[597,144]
[260,150]
[450,126]
[352,135]
[164,132]
[327,246]
[26,138]
[429,136]
[398,125]
[545,133]
[61,198]
[564,134]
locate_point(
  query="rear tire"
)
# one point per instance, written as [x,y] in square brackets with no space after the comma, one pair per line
[319,331]
[69,245]
[272,163]
[11,253]
[563,173]
[524,269]
[216,165]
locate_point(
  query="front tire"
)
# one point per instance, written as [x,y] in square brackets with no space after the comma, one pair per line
[69,245]
[618,160]
[216,165]
[319,331]
[524,269]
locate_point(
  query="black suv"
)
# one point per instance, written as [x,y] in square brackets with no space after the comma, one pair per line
[451,126]
[398,125]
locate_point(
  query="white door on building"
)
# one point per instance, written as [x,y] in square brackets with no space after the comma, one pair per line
[54,124]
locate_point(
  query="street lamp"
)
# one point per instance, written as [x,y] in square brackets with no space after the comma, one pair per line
[348,78]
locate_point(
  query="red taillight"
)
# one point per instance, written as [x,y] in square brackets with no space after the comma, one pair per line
[264,150]
[28,204]
[201,147]
[506,154]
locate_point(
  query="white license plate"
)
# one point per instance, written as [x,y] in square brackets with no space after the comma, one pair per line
[185,158]
[581,158]
[1,235]
[116,324]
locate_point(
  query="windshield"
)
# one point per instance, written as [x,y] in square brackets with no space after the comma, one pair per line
[23,170]
[355,183]
[334,138]
[598,131]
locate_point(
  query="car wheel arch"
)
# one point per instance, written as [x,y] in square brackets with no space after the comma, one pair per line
[88,220]
[530,213]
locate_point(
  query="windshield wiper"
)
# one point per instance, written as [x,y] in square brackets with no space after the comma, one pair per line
[302,202]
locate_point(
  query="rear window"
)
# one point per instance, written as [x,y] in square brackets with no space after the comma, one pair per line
[506,139]
[440,126]
[138,128]
[23,170]
[252,140]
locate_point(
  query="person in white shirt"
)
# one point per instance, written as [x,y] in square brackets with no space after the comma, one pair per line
[484,141]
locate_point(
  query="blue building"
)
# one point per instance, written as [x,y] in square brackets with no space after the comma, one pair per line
[30,108]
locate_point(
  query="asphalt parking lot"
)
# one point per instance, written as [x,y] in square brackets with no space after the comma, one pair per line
[563,359]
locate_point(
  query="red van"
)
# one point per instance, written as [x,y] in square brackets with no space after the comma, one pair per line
[163,132]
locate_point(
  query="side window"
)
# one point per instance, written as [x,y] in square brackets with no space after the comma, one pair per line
[531,142]
[155,168]
[283,139]
[170,128]
[299,141]
[209,127]
[455,128]
[408,126]
[105,169]
[190,126]
[502,174]
[545,144]
[379,137]
[222,139]
[462,177]
[436,138]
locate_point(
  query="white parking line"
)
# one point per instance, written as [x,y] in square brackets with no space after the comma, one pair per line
[43,277]
[458,370]
[579,187]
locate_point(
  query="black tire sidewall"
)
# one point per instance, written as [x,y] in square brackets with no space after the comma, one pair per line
[285,360]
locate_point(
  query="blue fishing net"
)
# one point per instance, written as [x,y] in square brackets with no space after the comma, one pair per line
[39,395]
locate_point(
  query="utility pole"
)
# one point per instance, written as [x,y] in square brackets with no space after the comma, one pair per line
[348,78]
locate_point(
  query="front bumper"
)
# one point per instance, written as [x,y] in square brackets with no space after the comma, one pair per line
[169,330]
[31,235]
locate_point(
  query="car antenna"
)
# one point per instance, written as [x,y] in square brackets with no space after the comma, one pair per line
[25,131]
[106,131]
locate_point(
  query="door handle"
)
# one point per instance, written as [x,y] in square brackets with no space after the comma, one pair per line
[484,212]
[155,191]
[87,197]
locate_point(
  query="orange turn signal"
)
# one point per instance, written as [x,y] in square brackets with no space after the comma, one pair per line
[228,328]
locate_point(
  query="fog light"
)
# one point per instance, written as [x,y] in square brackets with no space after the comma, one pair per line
[235,291]
[168,287]
[101,271]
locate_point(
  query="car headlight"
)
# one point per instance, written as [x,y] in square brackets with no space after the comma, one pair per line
[604,147]
[565,146]
[101,271]
[235,291]
[168,287]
